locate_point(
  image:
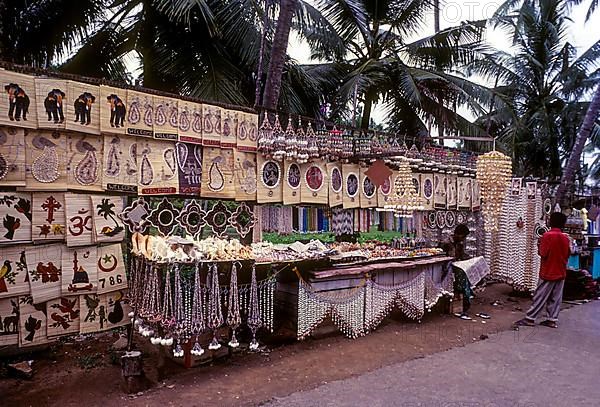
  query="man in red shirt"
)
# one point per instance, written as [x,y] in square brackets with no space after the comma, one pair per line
[554,250]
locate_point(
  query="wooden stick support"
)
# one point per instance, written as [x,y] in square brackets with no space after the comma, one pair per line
[132,369]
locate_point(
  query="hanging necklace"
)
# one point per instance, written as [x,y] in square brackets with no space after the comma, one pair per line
[233,312]
[254,321]
[198,325]
[215,313]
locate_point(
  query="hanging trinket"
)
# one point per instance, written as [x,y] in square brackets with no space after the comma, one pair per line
[279,144]
[215,313]
[254,320]
[233,312]
[313,147]
[265,137]
[302,155]
[291,143]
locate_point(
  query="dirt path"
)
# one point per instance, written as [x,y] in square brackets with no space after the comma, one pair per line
[249,379]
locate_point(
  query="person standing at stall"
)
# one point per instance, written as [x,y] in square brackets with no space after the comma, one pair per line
[456,248]
[554,250]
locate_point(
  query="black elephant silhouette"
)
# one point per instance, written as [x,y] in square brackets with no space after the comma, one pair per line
[117,110]
[83,108]
[18,102]
[54,105]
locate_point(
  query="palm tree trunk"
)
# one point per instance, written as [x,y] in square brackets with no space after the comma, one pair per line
[575,157]
[366,116]
[278,53]
[436,15]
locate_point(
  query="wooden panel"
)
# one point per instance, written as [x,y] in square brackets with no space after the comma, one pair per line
[451,194]
[464,192]
[190,122]
[111,269]
[140,115]
[44,268]
[247,131]
[83,108]
[245,176]
[315,188]
[108,227]
[336,184]
[32,323]
[270,177]
[189,162]
[62,316]
[217,173]
[368,190]
[292,183]
[92,313]
[46,161]
[351,186]
[117,308]
[120,164]
[84,162]
[384,191]
[230,123]
[16,216]
[12,157]
[9,312]
[13,272]
[113,110]
[211,126]
[439,191]
[18,104]
[157,167]
[80,220]
[79,270]
[427,191]
[476,195]
[166,118]
[50,98]
[49,219]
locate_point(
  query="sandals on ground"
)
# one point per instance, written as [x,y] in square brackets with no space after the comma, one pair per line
[549,324]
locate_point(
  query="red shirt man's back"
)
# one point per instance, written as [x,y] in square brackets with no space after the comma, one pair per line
[554,250]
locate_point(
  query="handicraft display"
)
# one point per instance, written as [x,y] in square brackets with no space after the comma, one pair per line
[140,115]
[211,126]
[440,190]
[13,272]
[351,188]
[84,162]
[83,108]
[269,186]
[166,118]
[291,185]
[247,133]
[475,195]
[17,104]
[49,218]
[217,218]
[229,132]
[12,157]
[368,190]
[92,316]
[314,187]
[217,173]
[111,269]
[16,215]
[50,98]
[494,171]
[191,218]
[108,227]
[189,161]
[9,321]
[190,122]
[32,322]
[157,167]
[113,110]
[63,316]
[245,176]
[44,267]
[451,193]
[45,160]
[427,191]
[134,216]
[464,193]
[336,184]
[80,220]
[242,220]
[384,191]
[163,217]
[120,164]
[79,270]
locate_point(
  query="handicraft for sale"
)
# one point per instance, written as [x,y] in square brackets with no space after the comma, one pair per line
[245,175]
[140,114]
[32,322]
[315,189]
[17,105]
[189,162]
[157,167]
[113,110]
[46,159]
[80,220]
[351,185]
[217,173]
[13,272]
[291,185]
[111,269]
[120,164]
[44,267]
[50,98]
[9,311]
[12,157]
[166,118]
[229,121]
[368,190]
[270,176]
[451,193]
[108,227]
[336,184]
[16,215]
[211,126]
[247,132]
[427,191]
[84,162]
[83,108]
[49,218]
[62,316]
[190,122]
[440,191]
[79,271]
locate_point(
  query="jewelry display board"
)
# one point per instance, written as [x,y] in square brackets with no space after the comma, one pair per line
[50,98]
[217,173]
[291,184]
[12,157]
[315,189]
[17,106]
[13,272]
[166,118]
[189,163]
[368,190]
[140,116]
[157,167]
[16,216]
[245,175]
[82,108]
[120,164]
[190,122]
[44,267]
[351,186]
[113,110]
[46,160]
[269,187]
[32,322]
[84,162]
[49,219]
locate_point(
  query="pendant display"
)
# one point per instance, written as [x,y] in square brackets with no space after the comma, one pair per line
[217,218]
[234,320]
[254,317]
[242,219]
[191,218]
[18,102]
[12,157]
[13,272]
[16,215]
[215,313]
[163,217]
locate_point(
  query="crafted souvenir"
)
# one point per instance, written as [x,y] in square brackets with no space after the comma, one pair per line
[242,219]
[140,115]
[113,110]
[63,316]
[163,217]
[18,102]
[32,322]
[13,272]
[368,190]
[16,215]
[384,191]
[50,98]
[83,108]
[230,124]
[351,185]
[217,218]
[79,270]
[84,162]
[44,267]
[111,269]
[157,167]
[49,218]
[211,126]
[12,157]
[80,220]
[245,176]
[120,168]
[315,187]
[291,185]
[45,161]
[9,311]
[135,215]
[336,184]
[217,173]
[476,195]
[270,176]
[515,186]
[108,227]
[247,132]
[190,122]
[427,191]
[117,308]
[451,192]
[191,218]
[189,161]
[440,191]
[166,118]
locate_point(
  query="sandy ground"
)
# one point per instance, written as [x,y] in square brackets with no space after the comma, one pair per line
[251,379]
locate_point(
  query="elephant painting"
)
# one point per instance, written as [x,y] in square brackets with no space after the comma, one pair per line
[54,106]
[18,102]
[117,111]
[83,108]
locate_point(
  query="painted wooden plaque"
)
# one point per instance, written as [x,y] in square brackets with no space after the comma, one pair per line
[291,183]
[117,308]
[336,184]
[230,124]
[63,316]
[351,198]
[166,118]
[217,173]
[245,176]
[18,103]
[12,157]
[108,227]
[211,126]
[9,319]
[451,192]
[315,188]
[464,193]
[270,175]
[16,215]
[427,191]
[157,167]
[440,191]
[32,322]
[79,270]
[384,191]
[83,108]
[190,122]
[50,98]
[140,115]
[46,161]
[247,133]
[13,272]
[84,162]
[189,162]
[368,190]
[49,219]
[44,267]
[111,269]
[92,315]
[113,110]
[476,195]
[80,220]
[119,164]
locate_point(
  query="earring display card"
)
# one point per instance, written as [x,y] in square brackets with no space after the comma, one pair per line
[49,218]
[166,118]
[351,186]
[247,133]
[13,272]
[84,162]
[12,157]
[16,215]
[120,168]
[451,193]
[9,311]
[336,184]
[62,316]
[108,227]
[83,108]
[384,191]
[111,269]
[113,110]
[211,126]
[292,183]
[79,270]
[157,167]
[217,173]
[368,190]
[440,191]
[44,267]
[230,124]
[32,322]
[190,122]
[46,161]
[140,115]
[80,220]
[270,176]
[51,96]
[189,163]
[245,176]
[17,105]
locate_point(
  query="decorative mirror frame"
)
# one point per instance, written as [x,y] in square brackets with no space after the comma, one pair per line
[192,208]
[218,208]
[242,230]
[132,224]
[164,206]
[450,219]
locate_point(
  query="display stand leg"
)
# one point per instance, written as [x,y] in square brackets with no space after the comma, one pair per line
[132,370]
